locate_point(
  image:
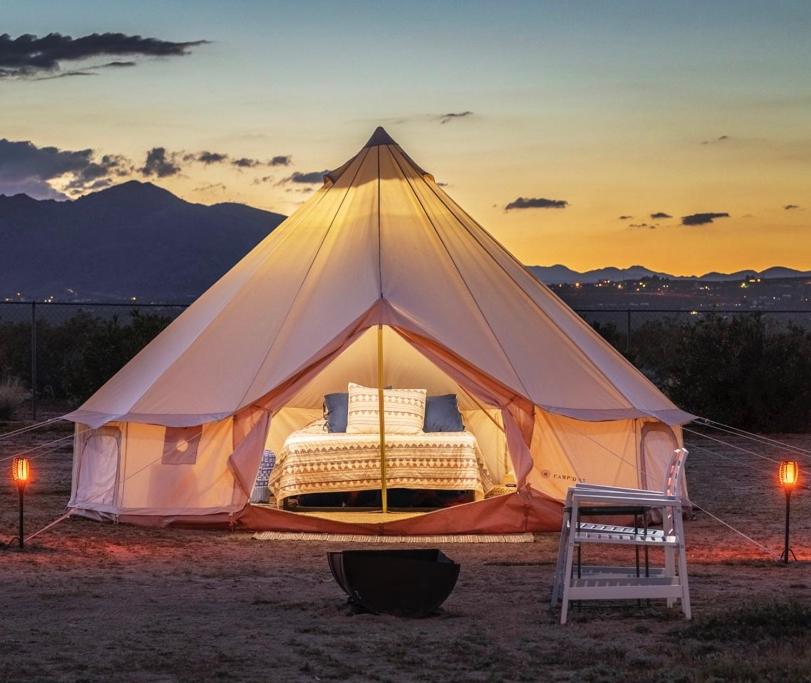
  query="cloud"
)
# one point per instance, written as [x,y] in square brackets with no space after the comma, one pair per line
[209,157]
[29,56]
[702,218]
[658,215]
[25,167]
[791,207]
[536,203]
[715,141]
[625,217]
[211,187]
[452,116]
[160,163]
[646,226]
[311,177]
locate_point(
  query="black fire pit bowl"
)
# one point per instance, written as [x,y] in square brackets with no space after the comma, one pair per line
[406,583]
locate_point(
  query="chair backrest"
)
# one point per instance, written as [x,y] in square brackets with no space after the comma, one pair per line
[675,473]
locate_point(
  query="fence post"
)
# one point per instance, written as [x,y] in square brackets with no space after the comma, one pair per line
[628,331]
[34,360]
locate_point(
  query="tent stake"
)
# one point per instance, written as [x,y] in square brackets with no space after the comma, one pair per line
[384,499]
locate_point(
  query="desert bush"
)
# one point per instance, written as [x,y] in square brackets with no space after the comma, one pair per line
[12,394]
[739,370]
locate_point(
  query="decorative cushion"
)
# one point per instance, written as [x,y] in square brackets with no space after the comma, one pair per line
[335,411]
[442,414]
[404,410]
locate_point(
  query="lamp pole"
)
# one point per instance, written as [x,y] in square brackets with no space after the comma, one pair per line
[20,473]
[21,489]
[788,474]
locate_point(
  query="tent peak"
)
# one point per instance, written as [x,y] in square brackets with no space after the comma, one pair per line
[380,137]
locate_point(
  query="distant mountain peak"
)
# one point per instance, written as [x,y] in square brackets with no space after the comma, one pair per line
[131,240]
[560,274]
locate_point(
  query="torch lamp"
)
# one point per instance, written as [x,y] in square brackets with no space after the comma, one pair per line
[21,472]
[789,475]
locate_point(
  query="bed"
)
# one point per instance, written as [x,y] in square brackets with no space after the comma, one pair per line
[314,461]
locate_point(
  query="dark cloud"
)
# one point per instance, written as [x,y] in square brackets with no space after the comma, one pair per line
[442,184]
[790,207]
[536,203]
[30,56]
[24,167]
[702,218]
[625,217]
[211,187]
[280,160]
[311,177]
[160,163]
[244,162]
[658,215]
[714,141]
[263,179]
[645,226]
[452,116]
[209,157]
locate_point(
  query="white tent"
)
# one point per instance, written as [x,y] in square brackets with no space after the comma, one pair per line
[380,244]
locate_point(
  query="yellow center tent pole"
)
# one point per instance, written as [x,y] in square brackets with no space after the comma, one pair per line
[380,405]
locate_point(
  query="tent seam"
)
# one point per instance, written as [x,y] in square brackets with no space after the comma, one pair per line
[546,315]
[462,278]
[303,282]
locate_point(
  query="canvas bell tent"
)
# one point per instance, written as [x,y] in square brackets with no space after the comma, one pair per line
[382,280]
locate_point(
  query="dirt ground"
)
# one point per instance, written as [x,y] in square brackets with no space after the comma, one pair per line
[97,602]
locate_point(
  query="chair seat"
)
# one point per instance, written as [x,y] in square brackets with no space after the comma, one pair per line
[618,529]
[624,587]
[619,538]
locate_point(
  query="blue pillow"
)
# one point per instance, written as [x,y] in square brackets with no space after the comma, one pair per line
[442,414]
[336,410]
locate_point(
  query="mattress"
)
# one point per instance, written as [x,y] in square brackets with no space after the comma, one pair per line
[312,461]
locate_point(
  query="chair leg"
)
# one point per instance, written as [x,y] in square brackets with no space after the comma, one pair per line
[670,570]
[683,581]
[567,575]
[556,581]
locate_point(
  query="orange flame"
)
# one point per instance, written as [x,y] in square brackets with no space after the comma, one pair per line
[21,470]
[789,473]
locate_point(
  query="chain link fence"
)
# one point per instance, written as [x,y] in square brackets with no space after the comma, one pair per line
[57,354]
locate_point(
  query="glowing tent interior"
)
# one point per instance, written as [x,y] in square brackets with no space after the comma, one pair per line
[380,279]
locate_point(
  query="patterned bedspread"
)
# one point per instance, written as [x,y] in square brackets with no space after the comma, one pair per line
[313,461]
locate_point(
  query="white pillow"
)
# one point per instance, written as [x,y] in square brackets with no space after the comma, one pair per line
[404,410]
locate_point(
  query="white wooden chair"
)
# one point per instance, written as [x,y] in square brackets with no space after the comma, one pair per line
[601,583]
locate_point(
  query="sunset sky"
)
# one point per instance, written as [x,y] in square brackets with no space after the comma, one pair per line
[618,133]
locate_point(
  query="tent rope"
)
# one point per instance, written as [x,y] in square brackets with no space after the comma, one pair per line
[731,445]
[764,548]
[758,438]
[48,526]
[29,428]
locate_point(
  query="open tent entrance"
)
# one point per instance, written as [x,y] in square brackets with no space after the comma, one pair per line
[331,472]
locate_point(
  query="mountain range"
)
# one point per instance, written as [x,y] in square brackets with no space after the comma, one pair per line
[558,274]
[137,240]
[130,240]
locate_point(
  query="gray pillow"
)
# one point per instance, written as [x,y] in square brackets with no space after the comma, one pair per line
[442,414]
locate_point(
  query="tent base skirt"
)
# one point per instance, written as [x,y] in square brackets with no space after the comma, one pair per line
[514,513]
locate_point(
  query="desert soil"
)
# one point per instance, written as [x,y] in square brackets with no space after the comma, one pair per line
[97,602]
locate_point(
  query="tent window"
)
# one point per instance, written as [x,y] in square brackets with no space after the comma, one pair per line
[180,445]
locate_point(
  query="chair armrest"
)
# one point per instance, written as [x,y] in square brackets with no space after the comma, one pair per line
[659,500]
[617,489]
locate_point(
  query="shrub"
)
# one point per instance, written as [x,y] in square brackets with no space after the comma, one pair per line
[12,394]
